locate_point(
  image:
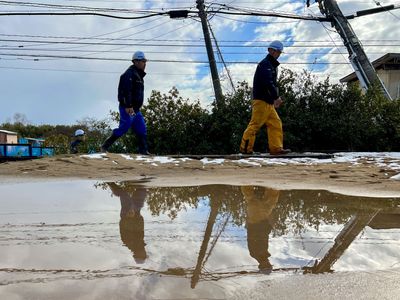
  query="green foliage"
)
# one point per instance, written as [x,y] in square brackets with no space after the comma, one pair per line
[322,116]
[60,142]
[175,125]
[228,121]
[96,132]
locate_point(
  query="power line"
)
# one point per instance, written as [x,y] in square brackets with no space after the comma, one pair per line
[11,48]
[97,37]
[178,45]
[38,56]
[163,34]
[258,22]
[333,41]
[200,40]
[118,72]
[379,4]
[222,58]
[83,14]
[80,7]
[224,9]
[151,13]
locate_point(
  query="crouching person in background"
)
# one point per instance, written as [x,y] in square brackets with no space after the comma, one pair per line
[78,142]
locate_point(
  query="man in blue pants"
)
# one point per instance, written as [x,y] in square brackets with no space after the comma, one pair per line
[131,224]
[130,97]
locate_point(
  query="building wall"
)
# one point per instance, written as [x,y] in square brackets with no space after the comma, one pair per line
[12,139]
[8,138]
[391,79]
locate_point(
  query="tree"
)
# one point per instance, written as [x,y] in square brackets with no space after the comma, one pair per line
[60,143]
[175,125]
[228,120]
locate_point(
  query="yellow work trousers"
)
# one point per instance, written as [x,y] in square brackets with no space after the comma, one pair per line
[263,114]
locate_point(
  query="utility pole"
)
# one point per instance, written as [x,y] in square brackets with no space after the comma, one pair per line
[344,239]
[210,53]
[363,67]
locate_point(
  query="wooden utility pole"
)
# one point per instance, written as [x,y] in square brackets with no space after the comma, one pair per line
[359,60]
[210,53]
[344,239]
[204,245]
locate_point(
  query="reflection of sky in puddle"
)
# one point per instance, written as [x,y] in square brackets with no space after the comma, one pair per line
[56,233]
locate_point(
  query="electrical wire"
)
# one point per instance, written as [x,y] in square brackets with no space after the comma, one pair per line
[200,40]
[81,8]
[258,22]
[83,14]
[179,45]
[151,39]
[97,37]
[333,41]
[38,56]
[379,4]
[222,58]
[175,52]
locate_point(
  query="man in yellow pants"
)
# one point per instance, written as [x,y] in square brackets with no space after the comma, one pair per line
[261,203]
[265,99]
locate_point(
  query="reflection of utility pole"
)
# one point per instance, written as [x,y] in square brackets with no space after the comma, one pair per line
[344,239]
[210,53]
[204,244]
[359,60]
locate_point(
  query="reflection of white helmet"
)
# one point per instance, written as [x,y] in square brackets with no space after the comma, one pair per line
[79,132]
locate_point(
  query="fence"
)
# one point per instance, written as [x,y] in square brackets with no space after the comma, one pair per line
[24,151]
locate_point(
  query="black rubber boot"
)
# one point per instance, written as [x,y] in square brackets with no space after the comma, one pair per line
[108,142]
[143,145]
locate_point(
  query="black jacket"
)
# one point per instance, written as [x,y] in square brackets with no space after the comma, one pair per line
[264,83]
[131,88]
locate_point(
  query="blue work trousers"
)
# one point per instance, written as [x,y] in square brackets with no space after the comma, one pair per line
[138,125]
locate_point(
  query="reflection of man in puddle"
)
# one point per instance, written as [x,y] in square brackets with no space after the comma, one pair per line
[131,225]
[260,204]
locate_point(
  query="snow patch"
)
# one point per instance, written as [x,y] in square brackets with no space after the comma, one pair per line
[217,161]
[385,160]
[95,156]
[126,156]
[396,177]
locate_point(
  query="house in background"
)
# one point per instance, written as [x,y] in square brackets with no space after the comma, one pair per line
[8,137]
[388,69]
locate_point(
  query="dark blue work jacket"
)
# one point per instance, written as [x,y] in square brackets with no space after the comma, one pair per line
[131,88]
[264,83]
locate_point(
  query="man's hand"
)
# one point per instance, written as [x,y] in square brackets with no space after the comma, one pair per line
[130,213]
[278,102]
[130,111]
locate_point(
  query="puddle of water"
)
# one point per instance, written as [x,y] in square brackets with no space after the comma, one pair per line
[124,240]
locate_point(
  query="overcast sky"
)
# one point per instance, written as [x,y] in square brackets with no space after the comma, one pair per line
[64,90]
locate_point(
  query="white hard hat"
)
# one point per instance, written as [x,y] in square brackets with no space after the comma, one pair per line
[79,132]
[138,55]
[277,45]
